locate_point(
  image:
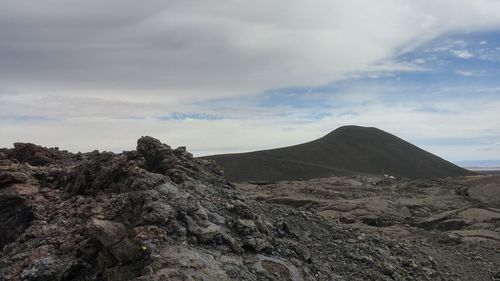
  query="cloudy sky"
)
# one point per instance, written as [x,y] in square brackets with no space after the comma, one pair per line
[230,76]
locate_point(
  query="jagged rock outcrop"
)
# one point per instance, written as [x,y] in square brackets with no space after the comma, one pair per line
[158,214]
[15,214]
[34,154]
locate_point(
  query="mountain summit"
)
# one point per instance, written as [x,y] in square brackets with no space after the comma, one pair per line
[347,150]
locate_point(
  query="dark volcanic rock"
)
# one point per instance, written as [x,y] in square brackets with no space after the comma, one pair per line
[158,214]
[158,156]
[33,154]
[15,213]
[15,217]
[9,174]
[107,232]
[459,232]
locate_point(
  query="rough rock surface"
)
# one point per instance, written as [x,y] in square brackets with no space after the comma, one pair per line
[158,214]
[456,221]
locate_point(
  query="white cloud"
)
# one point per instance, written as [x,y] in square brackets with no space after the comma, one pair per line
[467,73]
[483,43]
[463,54]
[246,127]
[90,65]
[489,90]
[202,49]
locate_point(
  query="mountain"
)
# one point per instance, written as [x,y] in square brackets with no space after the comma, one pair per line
[347,150]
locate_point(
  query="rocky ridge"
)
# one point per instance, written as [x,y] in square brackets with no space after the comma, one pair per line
[158,214]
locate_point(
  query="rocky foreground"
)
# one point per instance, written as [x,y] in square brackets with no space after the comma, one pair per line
[158,214]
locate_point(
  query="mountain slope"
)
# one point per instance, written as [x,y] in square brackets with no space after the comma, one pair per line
[347,150]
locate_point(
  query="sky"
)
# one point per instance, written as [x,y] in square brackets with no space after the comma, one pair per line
[231,76]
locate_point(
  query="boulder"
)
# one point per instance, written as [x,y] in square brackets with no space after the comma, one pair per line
[158,156]
[126,251]
[33,154]
[108,233]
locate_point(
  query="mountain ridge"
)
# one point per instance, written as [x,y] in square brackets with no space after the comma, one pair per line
[348,150]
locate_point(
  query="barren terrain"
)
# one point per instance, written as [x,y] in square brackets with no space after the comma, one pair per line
[346,151]
[456,221]
[157,213]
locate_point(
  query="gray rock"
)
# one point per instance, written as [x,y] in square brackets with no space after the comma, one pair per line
[246,226]
[9,177]
[431,222]
[182,263]
[208,234]
[127,251]
[277,269]
[452,224]
[108,233]
[50,268]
